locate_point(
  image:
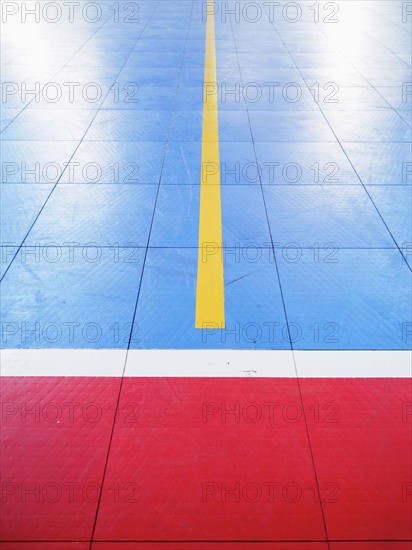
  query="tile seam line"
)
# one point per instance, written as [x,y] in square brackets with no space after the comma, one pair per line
[152,541]
[142,271]
[244,541]
[82,139]
[94,525]
[54,75]
[387,47]
[341,146]
[375,88]
[323,517]
[279,278]
[405,260]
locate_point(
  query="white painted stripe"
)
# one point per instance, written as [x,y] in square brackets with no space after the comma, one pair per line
[354,364]
[211,363]
[206,363]
[62,362]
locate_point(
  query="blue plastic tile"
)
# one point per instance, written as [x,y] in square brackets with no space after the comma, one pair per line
[346,299]
[159,44]
[341,76]
[233,126]
[176,220]
[189,98]
[187,126]
[289,97]
[34,162]
[238,163]
[161,60]
[55,125]
[244,217]
[279,60]
[20,204]
[394,205]
[321,60]
[254,313]
[131,95]
[289,126]
[283,76]
[398,98]
[129,126]
[375,126]
[356,98]
[75,302]
[317,163]
[116,162]
[90,57]
[182,163]
[104,215]
[19,207]
[379,76]
[144,76]
[313,194]
[405,115]
[382,163]
[342,215]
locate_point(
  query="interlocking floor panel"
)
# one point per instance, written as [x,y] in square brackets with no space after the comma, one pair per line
[265,148]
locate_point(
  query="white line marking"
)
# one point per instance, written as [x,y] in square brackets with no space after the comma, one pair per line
[206,363]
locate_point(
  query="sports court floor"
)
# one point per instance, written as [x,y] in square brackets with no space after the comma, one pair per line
[206,259]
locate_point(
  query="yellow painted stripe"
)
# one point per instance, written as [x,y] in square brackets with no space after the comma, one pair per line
[210,301]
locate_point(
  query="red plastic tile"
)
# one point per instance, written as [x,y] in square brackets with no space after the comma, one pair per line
[44,545]
[184,469]
[375,545]
[210,546]
[54,435]
[362,447]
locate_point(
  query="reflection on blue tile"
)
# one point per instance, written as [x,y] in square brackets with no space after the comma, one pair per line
[382,163]
[127,168]
[375,126]
[49,125]
[290,126]
[394,205]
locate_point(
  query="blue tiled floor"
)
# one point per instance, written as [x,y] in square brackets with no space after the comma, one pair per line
[316,193]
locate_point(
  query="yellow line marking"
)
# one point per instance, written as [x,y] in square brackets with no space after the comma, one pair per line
[210,301]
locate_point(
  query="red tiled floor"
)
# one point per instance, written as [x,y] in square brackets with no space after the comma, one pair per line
[206,478]
[366,454]
[210,546]
[53,457]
